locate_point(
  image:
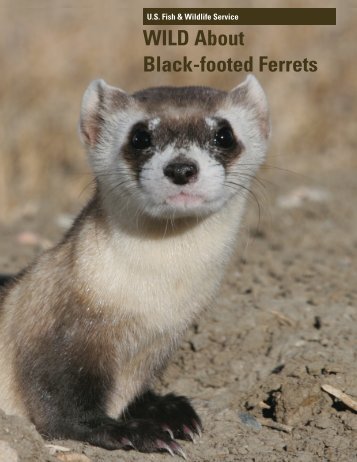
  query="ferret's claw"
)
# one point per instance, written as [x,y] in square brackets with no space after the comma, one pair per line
[167,429]
[178,450]
[127,443]
[189,433]
[172,448]
[198,427]
[165,446]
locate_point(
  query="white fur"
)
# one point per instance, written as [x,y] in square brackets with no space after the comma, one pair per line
[165,280]
[153,123]
[210,122]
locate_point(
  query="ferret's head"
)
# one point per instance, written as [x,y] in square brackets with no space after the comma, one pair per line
[174,151]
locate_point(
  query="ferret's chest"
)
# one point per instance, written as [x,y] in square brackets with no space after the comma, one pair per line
[164,283]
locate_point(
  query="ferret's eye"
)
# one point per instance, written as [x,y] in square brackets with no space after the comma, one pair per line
[141,139]
[224,138]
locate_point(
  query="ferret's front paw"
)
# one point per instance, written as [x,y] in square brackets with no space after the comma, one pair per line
[173,413]
[147,436]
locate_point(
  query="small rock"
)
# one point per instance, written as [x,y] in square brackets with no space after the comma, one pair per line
[7,453]
[249,420]
[323,421]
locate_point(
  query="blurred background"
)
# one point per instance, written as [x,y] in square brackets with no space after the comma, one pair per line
[50,51]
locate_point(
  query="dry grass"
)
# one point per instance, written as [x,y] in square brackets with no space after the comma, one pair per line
[48,56]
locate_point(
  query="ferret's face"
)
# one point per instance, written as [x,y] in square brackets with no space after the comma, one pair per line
[171,152]
[180,163]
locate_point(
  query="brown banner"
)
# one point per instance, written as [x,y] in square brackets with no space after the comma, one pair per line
[242,16]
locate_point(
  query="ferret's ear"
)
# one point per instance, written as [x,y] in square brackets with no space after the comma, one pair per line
[251,95]
[98,102]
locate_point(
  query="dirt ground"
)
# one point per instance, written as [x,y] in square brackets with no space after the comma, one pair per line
[285,322]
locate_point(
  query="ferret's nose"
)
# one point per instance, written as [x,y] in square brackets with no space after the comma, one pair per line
[181,172]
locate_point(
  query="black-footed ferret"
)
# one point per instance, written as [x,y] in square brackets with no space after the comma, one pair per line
[86,328]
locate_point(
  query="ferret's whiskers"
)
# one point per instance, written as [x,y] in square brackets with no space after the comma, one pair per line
[250,194]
